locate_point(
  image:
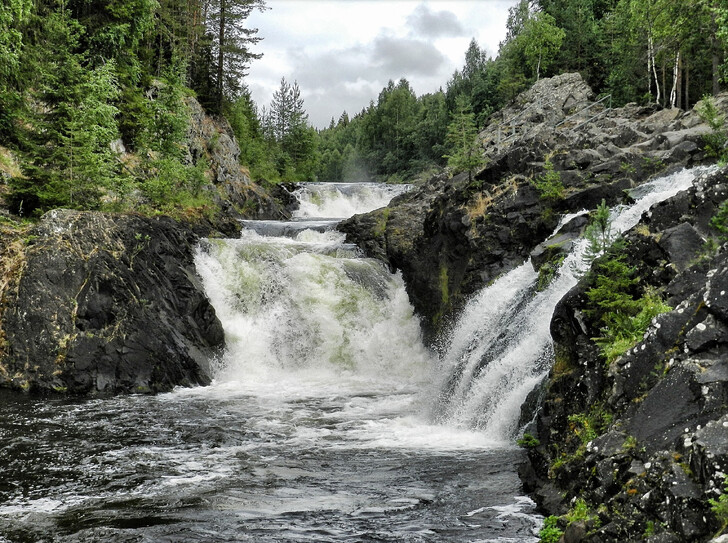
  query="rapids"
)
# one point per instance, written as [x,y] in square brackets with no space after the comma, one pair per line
[328,420]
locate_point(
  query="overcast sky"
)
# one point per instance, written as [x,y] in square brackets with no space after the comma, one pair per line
[343,52]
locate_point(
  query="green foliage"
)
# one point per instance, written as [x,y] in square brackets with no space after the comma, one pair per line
[69,161]
[550,533]
[588,426]
[598,233]
[548,270]
[541,40]
[715,141]
[720,221]
[548,184]
[466,154]
[613,303]
[528,442]
[719,507]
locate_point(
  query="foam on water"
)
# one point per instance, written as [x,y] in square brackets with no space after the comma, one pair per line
[501,347]
[342,200]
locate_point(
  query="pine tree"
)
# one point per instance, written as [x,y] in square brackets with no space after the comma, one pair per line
[13,14]
[69,154]
[462,139]
[231,41]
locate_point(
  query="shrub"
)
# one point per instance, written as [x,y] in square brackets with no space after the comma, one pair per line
[528,442]
[714,141]
[720,507]
[550,533]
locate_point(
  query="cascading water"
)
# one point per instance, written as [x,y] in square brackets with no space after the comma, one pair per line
[325,421]
[501,347]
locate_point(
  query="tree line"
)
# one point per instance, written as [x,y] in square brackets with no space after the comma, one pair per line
[666,52]
[76,76]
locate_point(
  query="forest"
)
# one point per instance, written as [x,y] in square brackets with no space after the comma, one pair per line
[80,79]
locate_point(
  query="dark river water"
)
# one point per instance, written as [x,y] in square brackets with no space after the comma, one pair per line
[222,464]
[326,421]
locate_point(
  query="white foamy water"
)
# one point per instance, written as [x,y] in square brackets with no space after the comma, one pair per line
[501,348]
[342,200]
[319,425]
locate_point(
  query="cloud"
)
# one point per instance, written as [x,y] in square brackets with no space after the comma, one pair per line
[427,23]
[404,57]
[347,51]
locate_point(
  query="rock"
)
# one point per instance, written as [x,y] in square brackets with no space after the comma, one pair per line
[236,194]
[575,532]
[107,303]
[682,244]
[662,456]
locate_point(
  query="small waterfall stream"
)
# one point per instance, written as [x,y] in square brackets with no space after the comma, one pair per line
[328,419]
[501,347]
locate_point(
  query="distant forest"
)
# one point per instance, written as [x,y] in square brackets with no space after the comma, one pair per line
[79,76]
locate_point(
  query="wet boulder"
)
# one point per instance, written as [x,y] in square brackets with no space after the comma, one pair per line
[106,303]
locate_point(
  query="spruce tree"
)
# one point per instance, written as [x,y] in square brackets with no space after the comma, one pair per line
[462,139]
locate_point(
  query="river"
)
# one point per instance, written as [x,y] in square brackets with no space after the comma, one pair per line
[328,420]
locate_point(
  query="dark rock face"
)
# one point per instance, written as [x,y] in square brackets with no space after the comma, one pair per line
[234,192]
[454,235]
[642,440]
[104,303]
[661,407]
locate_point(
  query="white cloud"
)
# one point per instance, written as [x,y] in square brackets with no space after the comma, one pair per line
[342,53]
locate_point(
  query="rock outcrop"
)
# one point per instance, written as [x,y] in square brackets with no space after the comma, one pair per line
[236,195]
[642,441]
[634,449]
[94,302]
[452,236]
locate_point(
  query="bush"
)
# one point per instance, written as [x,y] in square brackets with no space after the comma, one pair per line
[720,507]
[714,141]
[528,442]
[550,533]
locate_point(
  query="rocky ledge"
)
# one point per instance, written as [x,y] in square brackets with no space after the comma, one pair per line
[94,302]
[454,235]
[635,448]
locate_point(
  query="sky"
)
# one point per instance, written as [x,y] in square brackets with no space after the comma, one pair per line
[342,53]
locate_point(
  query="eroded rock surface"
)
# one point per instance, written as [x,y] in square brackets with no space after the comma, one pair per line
[96,302]
[452,236]
[644,439]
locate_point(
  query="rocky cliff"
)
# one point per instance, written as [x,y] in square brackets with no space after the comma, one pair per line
[96,302]
[626,448]
[640,443]
[235,194]
[545,156]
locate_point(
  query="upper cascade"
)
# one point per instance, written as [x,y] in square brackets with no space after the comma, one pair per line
[343,200]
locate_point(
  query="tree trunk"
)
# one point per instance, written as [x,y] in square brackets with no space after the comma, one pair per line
[675,80]
[220,55]
[714,47]
[651,47]
[687,86]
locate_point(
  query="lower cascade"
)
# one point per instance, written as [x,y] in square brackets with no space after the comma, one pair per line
[328,419]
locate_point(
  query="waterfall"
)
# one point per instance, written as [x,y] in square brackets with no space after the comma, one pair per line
[500,349]
[342,200]
[303,310]
[297,302]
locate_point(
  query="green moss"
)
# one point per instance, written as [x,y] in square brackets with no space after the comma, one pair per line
[380,228]
[528,442]
[719,507]
[547,272]
[444,285]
